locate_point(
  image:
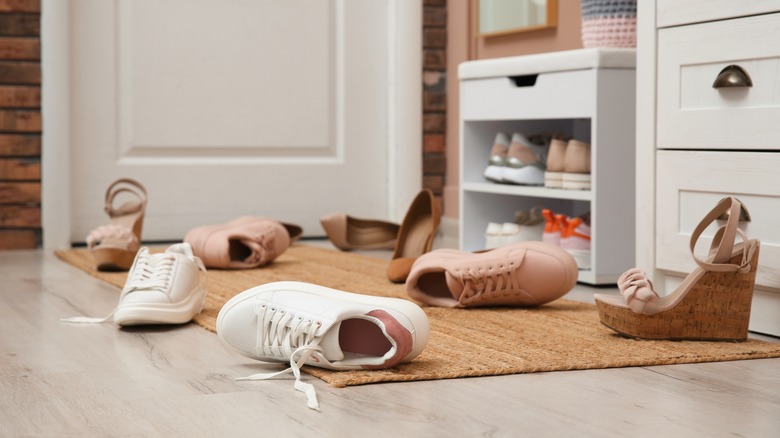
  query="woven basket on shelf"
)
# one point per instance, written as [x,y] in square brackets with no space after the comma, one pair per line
[608,23]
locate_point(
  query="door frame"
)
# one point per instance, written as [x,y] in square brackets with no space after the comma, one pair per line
[404,116]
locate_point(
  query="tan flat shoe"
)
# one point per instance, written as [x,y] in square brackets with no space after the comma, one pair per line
[712,303]
[415,237]
[348,233]
[114,246]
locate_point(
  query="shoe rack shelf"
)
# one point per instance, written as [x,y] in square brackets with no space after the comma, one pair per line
[586,94]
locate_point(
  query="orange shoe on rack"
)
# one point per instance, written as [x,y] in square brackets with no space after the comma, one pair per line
[712,303]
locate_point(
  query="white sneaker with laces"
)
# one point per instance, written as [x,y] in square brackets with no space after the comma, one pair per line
[161,288]
[303,323]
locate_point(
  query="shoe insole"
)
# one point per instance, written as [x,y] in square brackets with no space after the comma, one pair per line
[363,337]
[418,239]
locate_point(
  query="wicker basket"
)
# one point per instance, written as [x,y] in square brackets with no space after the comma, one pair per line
[608,23]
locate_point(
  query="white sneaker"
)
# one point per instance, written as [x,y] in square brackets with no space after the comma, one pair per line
[525,162]
[303,323]
[160,289]
[493,237]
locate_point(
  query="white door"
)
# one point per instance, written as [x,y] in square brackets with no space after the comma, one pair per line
[288,109]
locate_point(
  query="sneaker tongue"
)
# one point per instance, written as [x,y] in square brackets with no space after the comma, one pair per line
[331,347]
[453,284]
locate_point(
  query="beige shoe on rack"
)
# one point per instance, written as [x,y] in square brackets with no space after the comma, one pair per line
[114,246]
[415,236]
[576,166]
[712,303]
[553,176]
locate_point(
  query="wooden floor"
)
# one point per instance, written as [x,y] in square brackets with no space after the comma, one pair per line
[99,380]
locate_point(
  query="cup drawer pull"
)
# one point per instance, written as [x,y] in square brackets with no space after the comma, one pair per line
[732,76]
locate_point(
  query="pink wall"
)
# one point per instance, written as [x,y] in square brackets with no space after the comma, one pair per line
[463,45]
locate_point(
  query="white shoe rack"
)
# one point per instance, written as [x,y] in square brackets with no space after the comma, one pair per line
[587,94]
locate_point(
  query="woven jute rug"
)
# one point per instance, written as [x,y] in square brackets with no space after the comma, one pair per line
[562,335]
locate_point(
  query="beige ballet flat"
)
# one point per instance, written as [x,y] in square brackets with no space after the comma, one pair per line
[713,302]
[114,246]
[348,233]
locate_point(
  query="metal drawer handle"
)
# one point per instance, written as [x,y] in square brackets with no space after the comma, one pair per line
[732,76]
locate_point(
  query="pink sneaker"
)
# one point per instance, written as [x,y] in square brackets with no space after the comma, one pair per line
[522,274]
[243,243]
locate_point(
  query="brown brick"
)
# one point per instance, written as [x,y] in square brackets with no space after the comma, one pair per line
[434,164]
[434,101]
[20,169]
[436,122]
[433,143]
[18,239]
[13,96]
[435,38]
[20,145]
[20,5]
[20,193]
[434,17]
[434,182]
[20,72]
[20,48]
[434,59]
[20,120]
[21,216]
[20,25]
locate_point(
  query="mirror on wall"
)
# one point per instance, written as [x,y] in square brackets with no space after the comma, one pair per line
[501,17]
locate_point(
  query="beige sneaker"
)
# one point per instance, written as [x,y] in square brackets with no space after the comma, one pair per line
[522,274]
[525,162]
[243,243]
[553,176]
[576,166]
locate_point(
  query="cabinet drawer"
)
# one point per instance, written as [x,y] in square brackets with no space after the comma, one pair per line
[676,12]
[690,183]
[553,95]
[694,115]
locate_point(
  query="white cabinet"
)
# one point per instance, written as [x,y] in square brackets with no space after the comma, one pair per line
[585,94]
[697,143]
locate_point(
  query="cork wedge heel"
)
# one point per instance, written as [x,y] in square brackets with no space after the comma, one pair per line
[114,246]
[712,304]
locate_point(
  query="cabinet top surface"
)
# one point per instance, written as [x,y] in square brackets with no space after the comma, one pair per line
[548,62]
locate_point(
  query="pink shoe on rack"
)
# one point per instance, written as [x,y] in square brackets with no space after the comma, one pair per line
[243,243]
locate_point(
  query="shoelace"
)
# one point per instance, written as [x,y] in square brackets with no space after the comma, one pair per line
[499,282]
[152,272]
[283,335]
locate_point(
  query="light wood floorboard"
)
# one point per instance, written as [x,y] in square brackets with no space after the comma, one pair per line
[98,380]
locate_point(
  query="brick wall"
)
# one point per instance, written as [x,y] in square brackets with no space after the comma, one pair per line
[20,124]
[434,95]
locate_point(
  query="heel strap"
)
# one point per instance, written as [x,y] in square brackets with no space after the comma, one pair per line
[723,242]
[125,185]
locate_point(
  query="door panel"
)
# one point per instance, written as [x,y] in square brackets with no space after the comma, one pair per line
[233,107]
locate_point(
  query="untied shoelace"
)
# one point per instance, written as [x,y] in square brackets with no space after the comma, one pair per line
[283,335]
[151,272]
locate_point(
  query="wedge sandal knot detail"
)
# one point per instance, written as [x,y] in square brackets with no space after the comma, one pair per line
[712,303]
[114,246]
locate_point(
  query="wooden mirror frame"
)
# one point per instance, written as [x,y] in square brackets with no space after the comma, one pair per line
[552,21]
